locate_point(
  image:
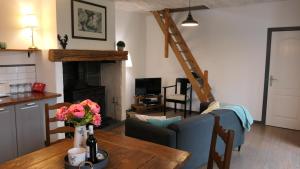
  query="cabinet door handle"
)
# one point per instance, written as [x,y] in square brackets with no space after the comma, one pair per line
[30,104]
[28,107]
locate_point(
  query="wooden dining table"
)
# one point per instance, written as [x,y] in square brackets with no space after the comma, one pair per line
[124,153]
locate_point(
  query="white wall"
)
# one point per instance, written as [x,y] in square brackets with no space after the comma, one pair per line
[131,28]
[231,44]
[64,26]
[48,34]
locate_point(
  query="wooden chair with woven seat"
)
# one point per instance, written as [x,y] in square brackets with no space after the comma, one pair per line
[227,136]
[183,96]
[48,120]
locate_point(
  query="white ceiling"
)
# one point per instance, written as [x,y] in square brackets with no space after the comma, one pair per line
[149,5]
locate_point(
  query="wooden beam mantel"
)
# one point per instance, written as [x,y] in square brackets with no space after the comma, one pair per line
[71,55]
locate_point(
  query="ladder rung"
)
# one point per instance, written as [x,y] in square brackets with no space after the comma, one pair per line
[200,81]
[211,98]
[193,66]
[196,75]
[182,51]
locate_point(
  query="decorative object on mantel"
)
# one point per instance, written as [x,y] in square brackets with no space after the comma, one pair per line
[88,20]
[80,115]
[70,55]
[121,45]
[3,45]
[63,41]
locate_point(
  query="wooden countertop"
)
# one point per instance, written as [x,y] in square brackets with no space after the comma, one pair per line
[124,153]
[26,97]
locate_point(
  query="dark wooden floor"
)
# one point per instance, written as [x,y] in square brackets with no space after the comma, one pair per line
[265,147]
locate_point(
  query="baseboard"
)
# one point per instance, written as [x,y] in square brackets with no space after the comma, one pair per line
[258,122]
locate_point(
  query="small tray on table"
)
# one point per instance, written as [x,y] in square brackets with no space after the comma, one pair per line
[101,164]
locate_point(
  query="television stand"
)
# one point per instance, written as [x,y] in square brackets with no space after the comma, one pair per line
[145,103]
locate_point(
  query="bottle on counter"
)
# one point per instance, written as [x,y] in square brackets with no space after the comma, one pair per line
[91,146]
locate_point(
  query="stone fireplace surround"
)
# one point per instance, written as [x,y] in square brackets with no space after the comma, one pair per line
[110,73]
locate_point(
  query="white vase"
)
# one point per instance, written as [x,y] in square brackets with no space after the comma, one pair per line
[80,136]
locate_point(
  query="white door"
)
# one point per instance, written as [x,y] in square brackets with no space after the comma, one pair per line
[283,109]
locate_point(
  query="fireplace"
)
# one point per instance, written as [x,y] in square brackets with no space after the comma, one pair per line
[82,80]
[95,74]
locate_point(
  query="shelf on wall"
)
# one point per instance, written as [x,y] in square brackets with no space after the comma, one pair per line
[29,51]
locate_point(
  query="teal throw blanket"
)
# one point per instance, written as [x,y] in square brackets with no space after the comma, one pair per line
[243,114]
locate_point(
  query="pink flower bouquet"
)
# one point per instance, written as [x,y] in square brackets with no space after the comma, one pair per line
[80,114]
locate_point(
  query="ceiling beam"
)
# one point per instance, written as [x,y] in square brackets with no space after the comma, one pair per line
[201,7]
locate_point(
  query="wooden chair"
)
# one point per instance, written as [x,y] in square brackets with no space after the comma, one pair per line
[227,137]
[181,97]
[65,129]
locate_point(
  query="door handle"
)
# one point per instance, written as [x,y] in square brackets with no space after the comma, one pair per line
[272,79]
[30,104]
[28,107]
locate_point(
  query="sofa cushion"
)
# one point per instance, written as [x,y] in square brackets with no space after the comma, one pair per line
[145,131]
[164,122]
[146,118]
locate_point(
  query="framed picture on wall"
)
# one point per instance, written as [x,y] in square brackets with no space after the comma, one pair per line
[88,20]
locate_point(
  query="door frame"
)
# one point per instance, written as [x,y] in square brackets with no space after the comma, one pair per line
[267,66]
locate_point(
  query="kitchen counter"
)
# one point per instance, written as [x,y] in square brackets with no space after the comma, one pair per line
[26,97]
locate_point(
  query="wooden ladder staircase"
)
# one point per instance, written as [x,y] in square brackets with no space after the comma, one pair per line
[173,37]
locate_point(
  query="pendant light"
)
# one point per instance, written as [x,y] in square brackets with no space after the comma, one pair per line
[189,20]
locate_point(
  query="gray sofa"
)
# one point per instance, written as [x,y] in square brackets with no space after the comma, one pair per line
[191,134]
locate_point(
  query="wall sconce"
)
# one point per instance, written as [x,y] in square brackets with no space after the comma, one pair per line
[30,21]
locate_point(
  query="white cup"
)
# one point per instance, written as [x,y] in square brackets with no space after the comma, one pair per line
[76,156]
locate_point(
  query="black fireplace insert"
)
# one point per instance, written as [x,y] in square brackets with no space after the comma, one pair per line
[82,80]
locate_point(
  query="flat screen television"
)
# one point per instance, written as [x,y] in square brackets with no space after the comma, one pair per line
[147,86]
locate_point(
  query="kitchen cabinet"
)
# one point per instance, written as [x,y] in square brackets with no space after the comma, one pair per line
[29,124]
[8,142]
[22,127]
